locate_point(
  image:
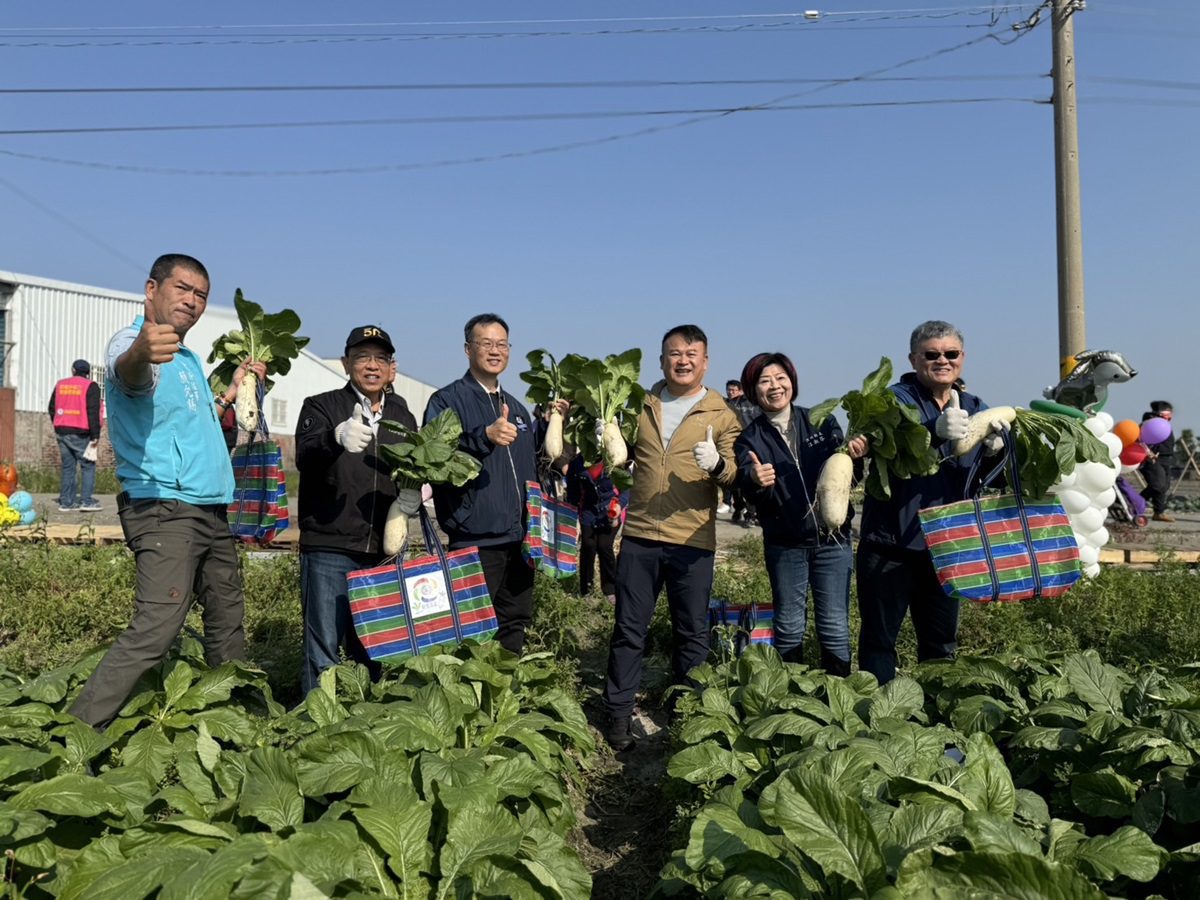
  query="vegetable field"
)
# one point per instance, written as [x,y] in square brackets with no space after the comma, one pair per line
[1059,756]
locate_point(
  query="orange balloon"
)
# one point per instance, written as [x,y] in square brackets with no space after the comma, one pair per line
[1128,431]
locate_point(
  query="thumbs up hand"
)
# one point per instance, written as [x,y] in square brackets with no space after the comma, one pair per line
[355,434]
[707,457]
[155,343]
[951,425]
[502,432]
[762,475]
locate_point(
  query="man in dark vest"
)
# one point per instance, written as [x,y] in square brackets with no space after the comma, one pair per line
[75,412]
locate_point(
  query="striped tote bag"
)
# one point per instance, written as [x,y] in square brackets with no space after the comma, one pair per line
[1002,547]
[405,607]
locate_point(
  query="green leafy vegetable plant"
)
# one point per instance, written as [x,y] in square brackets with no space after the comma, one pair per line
[609,401]
[899,444]
[430,454]
[1049,447]
[269,338]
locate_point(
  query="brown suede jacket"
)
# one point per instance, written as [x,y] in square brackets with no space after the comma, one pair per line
[673,500]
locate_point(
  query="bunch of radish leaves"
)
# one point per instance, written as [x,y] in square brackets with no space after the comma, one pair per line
[1049,446]
[430,454]
[899,445]
[269,338]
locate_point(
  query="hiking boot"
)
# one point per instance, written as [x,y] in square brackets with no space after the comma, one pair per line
[619,733]
[1163,517]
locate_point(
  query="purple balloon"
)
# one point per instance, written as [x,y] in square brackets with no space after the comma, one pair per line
[1155,431]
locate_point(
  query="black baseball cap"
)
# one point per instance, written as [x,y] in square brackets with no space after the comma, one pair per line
[369,333]
[81,367]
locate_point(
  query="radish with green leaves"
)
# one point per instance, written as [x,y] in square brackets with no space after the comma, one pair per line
[833,489]
[546,389]
[269,338]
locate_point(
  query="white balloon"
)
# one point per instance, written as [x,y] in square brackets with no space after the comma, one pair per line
[1091,571]
[1090,519]
[1089,554]
[1095,477]
[1096,426]
[1074,501]
[1098,538]
[1066,481]
[1113,443]
[1105,498]
[1106,419]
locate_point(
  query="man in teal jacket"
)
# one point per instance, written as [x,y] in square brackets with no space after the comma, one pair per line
[177,484]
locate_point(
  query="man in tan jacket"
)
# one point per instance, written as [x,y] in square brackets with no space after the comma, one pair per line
[683,457]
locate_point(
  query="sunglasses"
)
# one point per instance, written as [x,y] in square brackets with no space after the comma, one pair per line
[951,355]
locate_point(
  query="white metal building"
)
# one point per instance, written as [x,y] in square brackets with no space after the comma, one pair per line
[45,325]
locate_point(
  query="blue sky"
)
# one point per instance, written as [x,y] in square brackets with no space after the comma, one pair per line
[825,233]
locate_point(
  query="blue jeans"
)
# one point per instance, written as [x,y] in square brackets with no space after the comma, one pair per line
[71,448]
[826,569]
[325,603]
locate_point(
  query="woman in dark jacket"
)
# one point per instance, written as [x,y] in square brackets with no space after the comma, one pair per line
[779,456]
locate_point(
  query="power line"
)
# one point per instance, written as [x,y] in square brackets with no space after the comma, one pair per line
[977,9]
[502,85]
[502,117]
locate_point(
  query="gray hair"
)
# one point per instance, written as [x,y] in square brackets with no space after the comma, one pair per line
[931,330]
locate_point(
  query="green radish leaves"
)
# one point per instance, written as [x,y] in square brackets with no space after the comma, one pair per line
[429,454]
[899,447]
[267,337]
[1050,446]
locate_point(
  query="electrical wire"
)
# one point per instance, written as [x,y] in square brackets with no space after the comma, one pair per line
[494,86]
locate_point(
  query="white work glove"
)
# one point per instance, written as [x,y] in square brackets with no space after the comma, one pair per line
[994,442]
[707,457]
[90,453]
[354,434]
[409,500]
[951,425]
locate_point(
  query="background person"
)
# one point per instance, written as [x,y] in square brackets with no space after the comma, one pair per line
[779,456]
[894,570]
[177,485]
[346,490]
[489,511]
[75,414]
[746,410]
[601,506]
[682,456]
[1156,468]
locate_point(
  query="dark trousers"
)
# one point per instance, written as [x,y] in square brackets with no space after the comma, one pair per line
[643,569]
[510,582]
[183,553]
[1158,485]
[892,581]
[595,544]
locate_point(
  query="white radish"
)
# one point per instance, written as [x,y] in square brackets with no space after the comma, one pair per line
[833,489]
[615,453]
[395,530]
[247,402]
[554,435]
[980,425]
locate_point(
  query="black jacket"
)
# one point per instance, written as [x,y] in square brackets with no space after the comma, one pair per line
[489,510]
[344,497]
[785,510]
[894,522]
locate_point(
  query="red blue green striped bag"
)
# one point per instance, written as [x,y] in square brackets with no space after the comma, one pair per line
[259,511]
[551,533]
[1003,547]
[405,607]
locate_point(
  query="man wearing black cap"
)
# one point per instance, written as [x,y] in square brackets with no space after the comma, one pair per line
[346,490]
[75,412]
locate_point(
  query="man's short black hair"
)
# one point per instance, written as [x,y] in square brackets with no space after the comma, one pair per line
[482,319]
[169,262]
[692,334]
[732,382]
[1160,406]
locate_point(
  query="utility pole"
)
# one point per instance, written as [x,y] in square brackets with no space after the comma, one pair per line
[1071,335]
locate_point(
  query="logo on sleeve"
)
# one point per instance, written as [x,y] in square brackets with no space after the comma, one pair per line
[307,423]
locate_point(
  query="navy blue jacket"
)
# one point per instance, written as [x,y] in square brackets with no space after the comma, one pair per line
[895,521]
[592,496]
[785,510]
[489,510]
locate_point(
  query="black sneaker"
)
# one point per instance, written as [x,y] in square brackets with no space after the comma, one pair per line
[619,733]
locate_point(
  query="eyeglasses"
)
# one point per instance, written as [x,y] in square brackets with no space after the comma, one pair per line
[487,344]
[933,355]
[363,359]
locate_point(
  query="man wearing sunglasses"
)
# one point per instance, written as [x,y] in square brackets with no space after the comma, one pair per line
[894,570]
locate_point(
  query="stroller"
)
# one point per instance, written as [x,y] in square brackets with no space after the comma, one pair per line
[1129,508]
